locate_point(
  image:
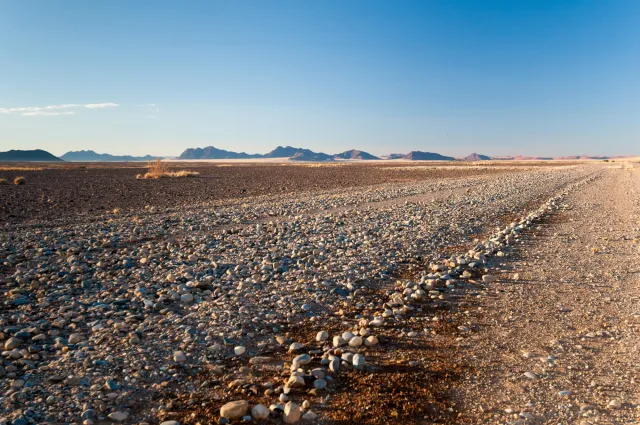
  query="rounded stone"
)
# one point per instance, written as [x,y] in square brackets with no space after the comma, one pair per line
[234,409]
[260,412]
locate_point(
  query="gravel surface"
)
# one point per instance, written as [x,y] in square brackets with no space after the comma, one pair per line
[70,189]
[383,304]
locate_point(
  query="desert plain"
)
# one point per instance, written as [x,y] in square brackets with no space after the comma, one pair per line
[374,292]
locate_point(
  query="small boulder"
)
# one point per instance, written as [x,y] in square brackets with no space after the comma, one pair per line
[234,409]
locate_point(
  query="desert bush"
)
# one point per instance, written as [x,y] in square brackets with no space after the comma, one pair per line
[156,169]
[19,181]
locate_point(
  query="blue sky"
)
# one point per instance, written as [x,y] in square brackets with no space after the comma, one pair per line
[543,77]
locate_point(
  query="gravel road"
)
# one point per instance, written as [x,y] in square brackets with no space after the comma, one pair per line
[559,342]
[503,297]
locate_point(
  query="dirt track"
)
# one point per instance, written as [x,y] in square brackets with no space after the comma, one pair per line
[571,319]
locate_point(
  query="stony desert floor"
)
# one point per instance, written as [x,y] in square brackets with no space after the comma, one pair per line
[502,293]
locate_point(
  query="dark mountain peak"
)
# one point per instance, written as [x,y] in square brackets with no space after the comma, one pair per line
[211,152]
[355,154]
[284,152]
[427,156]
[476,157]
[308,155]
[36,155]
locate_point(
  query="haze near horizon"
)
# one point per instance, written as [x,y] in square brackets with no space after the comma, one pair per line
[496,77]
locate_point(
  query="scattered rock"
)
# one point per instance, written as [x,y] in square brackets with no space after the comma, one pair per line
[234,409]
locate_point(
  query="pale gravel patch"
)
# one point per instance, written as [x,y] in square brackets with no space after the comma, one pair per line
[571,318]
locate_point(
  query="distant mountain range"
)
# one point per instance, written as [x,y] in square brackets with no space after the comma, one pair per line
[300,154]
[91,156]
[293,153]
[37,155]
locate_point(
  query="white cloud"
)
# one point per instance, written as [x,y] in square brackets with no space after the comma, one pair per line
[46,114]
[40,111]
[101,105]
[65,106]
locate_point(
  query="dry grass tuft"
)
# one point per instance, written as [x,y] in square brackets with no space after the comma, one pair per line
[19,181]
[183,173]
[158,170]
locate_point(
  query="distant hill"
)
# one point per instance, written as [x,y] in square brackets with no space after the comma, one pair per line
[37,155]
[297,154]
[284,152]
[211,152]
[91,156]
[427,156]
[307,155]
[476,157]
[355,154]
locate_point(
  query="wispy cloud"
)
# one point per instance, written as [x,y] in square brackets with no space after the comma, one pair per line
[101,105]
[46,114]
[45,111]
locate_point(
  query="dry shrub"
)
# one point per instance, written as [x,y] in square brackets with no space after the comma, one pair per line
[19,181]
[157,170]
[183,173]
[4,181]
